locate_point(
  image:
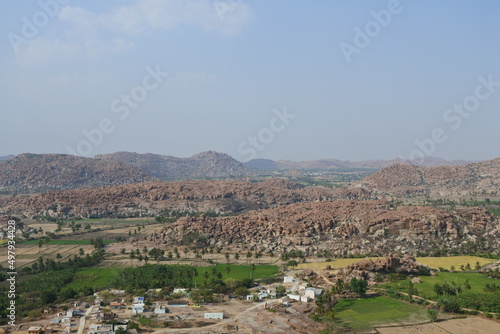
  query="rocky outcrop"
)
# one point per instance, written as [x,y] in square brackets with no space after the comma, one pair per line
[204,165]
[390,264]
[28,173]
[151,199]
[342,228]
[482,178]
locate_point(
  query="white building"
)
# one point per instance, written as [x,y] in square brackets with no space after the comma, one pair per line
[214,315]
[288,279]
[313,293]
[138,308]
[160,309]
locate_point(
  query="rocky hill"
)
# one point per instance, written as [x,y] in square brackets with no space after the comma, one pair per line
[28,173]
[341,228]
[481,178]
[203,165]
[150,199]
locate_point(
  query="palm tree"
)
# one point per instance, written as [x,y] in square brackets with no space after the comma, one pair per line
[40,244]
[228,269]
[252,270]
[271,254]
[257,255]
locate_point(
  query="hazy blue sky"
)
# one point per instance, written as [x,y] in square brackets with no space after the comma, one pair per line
[358,79]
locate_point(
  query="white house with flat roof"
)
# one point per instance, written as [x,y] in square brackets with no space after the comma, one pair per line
[214,315]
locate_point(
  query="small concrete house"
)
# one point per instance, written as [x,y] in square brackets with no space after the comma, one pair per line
[214,315]
[160,309]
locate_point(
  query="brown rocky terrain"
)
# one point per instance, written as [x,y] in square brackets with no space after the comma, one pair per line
[203,165]
[341,227]
[390,264]
[482,178]
[29,173]
[154,198]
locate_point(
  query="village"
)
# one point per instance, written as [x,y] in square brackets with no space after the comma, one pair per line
[180,311]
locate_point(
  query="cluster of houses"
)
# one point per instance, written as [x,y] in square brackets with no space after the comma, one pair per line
[295,290]
[299,291]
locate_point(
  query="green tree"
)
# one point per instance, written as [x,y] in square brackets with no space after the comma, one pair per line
[478,266]
[292,263]
[280,291]
[241,292]
[432,314]
[359,286]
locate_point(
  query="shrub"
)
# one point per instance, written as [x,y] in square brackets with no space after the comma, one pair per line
[432,314]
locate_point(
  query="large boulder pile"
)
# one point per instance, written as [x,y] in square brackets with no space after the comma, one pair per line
[390,264]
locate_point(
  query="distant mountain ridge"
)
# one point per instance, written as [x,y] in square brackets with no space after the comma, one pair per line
[7,157]
[209,164]
[407,180]
[332,164]
[28,173]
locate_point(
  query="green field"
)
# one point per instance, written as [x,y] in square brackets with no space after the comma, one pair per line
[363,314]
[99,278]
[477,282]
[237,271]
[61,242]
[96,278]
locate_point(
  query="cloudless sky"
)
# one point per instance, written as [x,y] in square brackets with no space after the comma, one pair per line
[234,64]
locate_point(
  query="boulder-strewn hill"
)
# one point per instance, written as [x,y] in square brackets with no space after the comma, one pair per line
[208,164]
[41,172]
[341,228]
[158,197]
[333,164]
[407,180]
